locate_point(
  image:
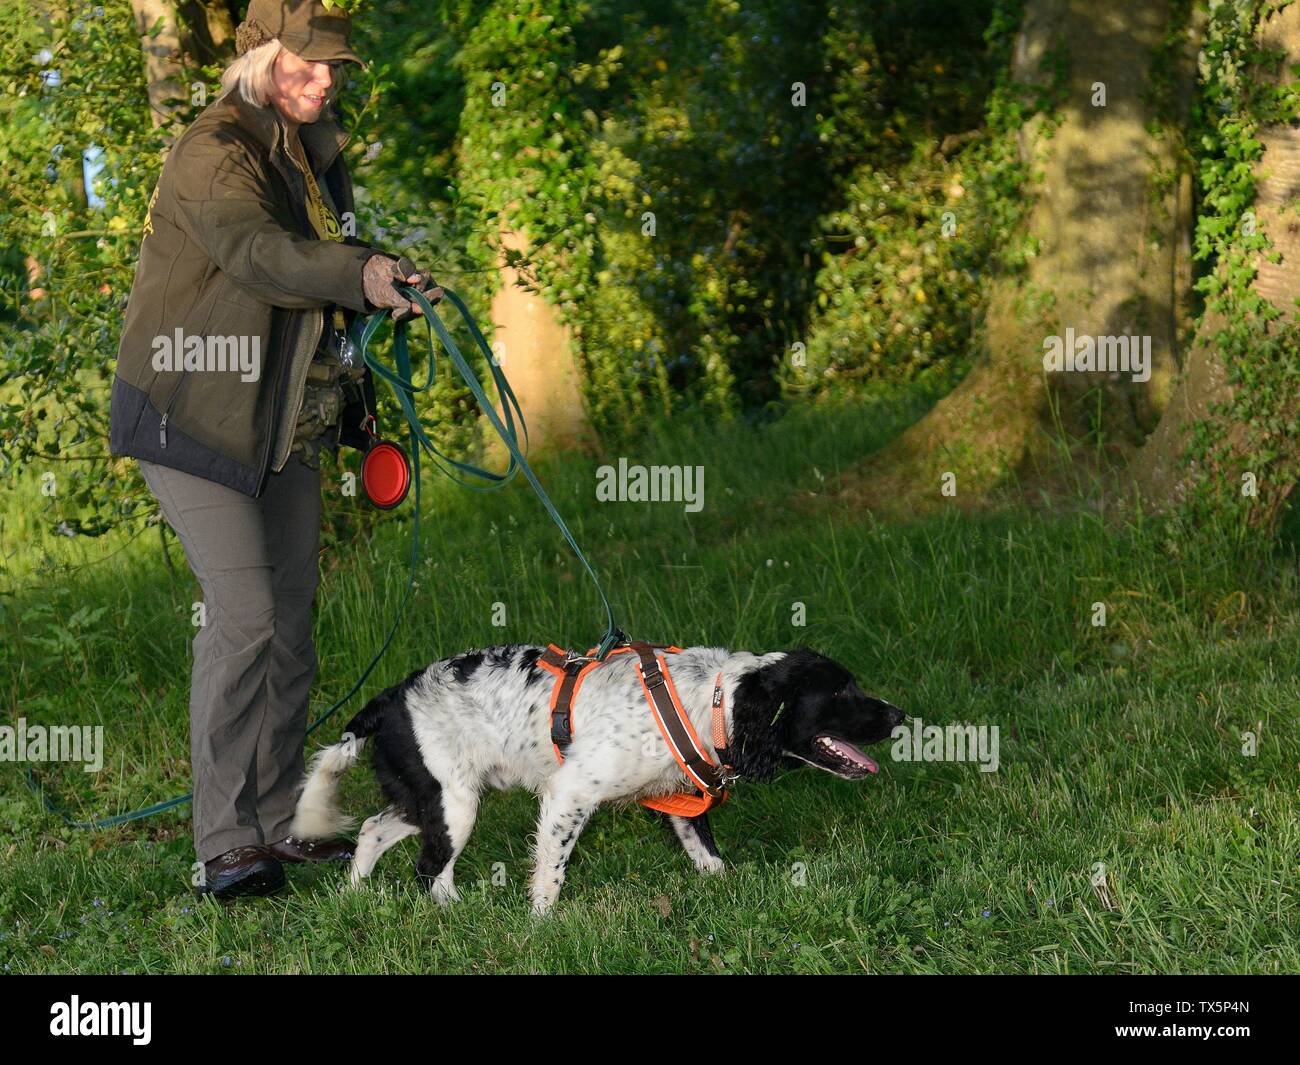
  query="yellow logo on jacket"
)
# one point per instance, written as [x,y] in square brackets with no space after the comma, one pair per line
[148,214]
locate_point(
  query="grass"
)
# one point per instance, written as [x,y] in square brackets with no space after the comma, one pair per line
[1124,831]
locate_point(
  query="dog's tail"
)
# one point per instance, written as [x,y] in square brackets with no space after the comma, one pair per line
[317,815]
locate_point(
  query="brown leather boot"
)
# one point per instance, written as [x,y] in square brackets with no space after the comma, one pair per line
[251,870]
[293,849]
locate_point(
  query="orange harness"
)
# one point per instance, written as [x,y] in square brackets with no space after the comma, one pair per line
[675,726]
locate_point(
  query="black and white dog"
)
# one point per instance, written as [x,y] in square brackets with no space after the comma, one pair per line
[483,719]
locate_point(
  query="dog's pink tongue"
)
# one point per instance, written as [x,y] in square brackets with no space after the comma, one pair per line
[847,750]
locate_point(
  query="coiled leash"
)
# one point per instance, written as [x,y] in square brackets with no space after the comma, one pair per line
[386,465]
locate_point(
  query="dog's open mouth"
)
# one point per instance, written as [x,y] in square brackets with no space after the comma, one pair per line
[842,757]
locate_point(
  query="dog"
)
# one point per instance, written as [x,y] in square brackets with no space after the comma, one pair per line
[482,719]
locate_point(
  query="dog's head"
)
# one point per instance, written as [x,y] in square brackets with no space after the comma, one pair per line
[807,707]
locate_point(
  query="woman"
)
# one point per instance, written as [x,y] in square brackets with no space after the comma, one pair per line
[233,372]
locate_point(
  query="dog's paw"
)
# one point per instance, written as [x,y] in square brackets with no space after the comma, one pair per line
[444,894]
[711,865]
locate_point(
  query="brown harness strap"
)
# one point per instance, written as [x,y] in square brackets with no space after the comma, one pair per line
[678,733]
[569,674]
[665,706]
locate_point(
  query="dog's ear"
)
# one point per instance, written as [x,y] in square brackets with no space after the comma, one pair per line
[760,703]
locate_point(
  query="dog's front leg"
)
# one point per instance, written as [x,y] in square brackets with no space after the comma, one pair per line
[696,837]
[564,813]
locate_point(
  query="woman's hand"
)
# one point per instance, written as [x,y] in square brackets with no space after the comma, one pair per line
[378,277]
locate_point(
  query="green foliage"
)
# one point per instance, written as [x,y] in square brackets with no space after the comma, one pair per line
[1255,431]
[689,220]
[628,142]
[930,199]
[73,79]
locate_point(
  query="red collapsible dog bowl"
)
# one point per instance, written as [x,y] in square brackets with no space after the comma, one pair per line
[385,472]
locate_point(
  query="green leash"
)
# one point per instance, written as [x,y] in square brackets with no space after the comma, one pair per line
[404,388]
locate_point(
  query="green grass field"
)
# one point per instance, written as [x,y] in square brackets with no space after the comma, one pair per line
[1124,831]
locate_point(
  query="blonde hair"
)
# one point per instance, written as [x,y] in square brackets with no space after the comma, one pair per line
[252,75]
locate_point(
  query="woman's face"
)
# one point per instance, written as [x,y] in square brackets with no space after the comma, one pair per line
[301,87]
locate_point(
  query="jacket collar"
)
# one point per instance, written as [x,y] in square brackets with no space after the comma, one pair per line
[322,139]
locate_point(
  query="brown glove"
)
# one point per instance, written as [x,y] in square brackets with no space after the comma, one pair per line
[377,281]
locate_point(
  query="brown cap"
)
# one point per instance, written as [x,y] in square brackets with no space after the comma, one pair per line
[305,27]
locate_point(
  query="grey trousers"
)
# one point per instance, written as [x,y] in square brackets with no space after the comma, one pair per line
[257,561]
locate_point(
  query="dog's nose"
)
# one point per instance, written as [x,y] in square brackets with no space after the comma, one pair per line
[895,715]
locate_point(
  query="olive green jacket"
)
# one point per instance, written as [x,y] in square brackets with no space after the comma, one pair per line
[230,300]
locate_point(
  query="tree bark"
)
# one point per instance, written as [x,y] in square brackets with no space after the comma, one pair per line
[1111,262]
[207,30]
[536,355]
[201,30]
[164,72]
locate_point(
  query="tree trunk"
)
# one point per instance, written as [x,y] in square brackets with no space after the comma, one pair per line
[164,73]
[207,30]
[1163,477]
[1112,262]
[200,30]
[536,356]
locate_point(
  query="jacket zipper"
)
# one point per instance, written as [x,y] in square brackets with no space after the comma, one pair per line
[270,437]
[162,424]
